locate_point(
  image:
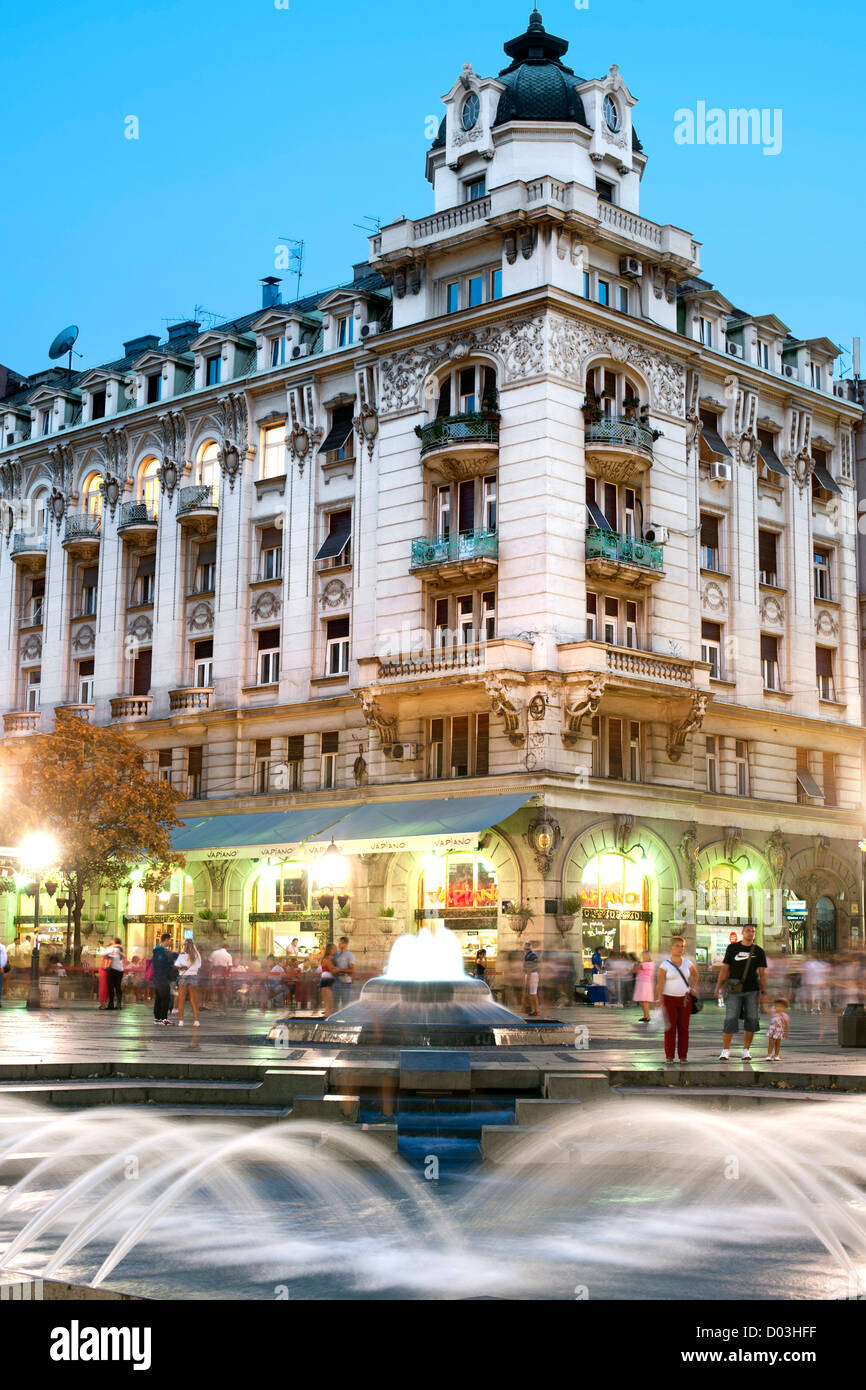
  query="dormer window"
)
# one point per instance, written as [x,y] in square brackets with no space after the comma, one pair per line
[471,111]
[97,404]
[611,114]
[346,331]
[213,369]
[45,421]
[605,190]
[764,355]
[815,376]
[474,189]
[705,331]
[153,388]
[278,350]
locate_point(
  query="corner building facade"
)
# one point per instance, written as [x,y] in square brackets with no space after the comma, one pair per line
[522,566]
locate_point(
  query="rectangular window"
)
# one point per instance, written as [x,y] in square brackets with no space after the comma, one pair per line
[597,769]
[141,672]
[443,511]
[591,617]
[475,189]
[89,589]
[452,297]
[436,765]
[339,440]
[496,284]
[330,750]
[622,294]
[815,375]
[213,370]
[295,759]
[278,351]
[194,769]
[741,763]
[604,189]
[615,759]
[712,763]
[634,760]
[488,503]
[631,635]
[831,793]
[164,765]
[768,543]
[268,656]
[611,621]
[153,388]
[764,355]
[142,584]
[711,648]
[710,548]
[337,642]
[336,548]
[460,745]
[205,568]
[441,624]
[824,673]
[482,745]
[346,331]
[475,290]
[33,690]
[97,405]
[629,513]
[488,615]
[808,790]
[604,292]
[706,332]
[587,285]
[821,570]
[270,553]
[37,602]
[770,662]
[272,463]
[85,682]
[203,664]
[262,778]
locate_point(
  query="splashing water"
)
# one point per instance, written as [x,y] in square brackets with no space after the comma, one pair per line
[434,954]
[628,1198]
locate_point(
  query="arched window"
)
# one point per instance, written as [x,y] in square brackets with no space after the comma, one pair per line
[468,390]
[207,469]
[615,900]
[825,925]
[39,510]
[91,497]
[727,897]
[611,391]
[148,484]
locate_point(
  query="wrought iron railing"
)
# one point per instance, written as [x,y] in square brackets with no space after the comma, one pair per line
[623,430]
[627,550]
[471,428]
[194,499]
[85,527]
[136,514]
[442,550]
[29,541]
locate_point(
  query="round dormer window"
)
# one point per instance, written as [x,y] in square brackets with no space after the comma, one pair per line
[611,115]
[471,111]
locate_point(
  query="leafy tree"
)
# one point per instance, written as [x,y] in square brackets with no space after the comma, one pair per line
[90,787]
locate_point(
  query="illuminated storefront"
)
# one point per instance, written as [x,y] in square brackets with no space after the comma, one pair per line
[283,907]
[727,900]
[460,888]
[616,904]
[150,914]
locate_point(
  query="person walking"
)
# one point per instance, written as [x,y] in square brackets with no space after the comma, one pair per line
[531,976]
[744,971]
[780,1027]
[597,986]
[480,963]
[345,964]
[644,990]
[163,967]
[102,976]
[188,965]
[675,989]
[328,971]
[220,969]
[114,973]
[5,967]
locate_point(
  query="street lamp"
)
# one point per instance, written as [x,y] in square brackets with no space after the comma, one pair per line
[36,853]
[330,876]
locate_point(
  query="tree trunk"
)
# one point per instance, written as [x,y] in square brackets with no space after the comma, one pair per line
[76,929]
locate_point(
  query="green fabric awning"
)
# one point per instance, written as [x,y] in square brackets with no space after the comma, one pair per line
[251,834]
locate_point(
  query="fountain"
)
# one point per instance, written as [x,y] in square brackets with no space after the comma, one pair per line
[424,999]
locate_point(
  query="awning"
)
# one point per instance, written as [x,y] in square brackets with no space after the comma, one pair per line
[772,460]
[597,517]
[252,834]
[341,427]
[826,479]
[421,826]
[809,785]
[338,536]
[712,446]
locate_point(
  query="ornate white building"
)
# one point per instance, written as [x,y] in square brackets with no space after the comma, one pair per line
[523,566]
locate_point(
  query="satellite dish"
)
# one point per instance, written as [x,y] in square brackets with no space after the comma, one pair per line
[63,343]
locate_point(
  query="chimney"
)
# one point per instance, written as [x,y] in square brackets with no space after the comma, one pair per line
[270,293]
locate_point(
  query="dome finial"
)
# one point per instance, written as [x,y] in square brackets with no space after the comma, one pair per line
[535,20]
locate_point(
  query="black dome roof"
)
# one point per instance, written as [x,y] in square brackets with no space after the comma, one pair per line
[539,87]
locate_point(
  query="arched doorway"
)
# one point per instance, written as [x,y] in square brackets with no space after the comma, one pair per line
[825,926]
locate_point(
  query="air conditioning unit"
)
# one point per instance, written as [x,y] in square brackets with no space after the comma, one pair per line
[300,350]
[735,350]
[370,330]
[789,371]
[839,390]
[656,535]
[631,266]
[404,752]
[721,472]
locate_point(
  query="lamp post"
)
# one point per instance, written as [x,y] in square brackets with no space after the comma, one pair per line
[36,853]
[65,905]
[330,876]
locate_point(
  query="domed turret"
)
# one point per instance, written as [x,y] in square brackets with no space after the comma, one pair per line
[539,87]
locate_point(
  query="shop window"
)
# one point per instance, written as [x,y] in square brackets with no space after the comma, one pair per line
[726,896]
[615,898]
[458,880]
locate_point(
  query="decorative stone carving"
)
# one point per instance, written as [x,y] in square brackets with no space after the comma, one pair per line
[519,345]
[173,434]
[384,725]
[689,851]
[534,751]
[573,342]
[217,870]
[733,840]
[777,853]
[502,704]
[31,650]
[141,628]
[302,441]
[265,605]
[822,846]
[623,826]
[714,597]
[201,618]
[111,488]
[234,435]
[57,507]
[544,837]
[802,466]
[84,639]
[335,594]
[772,611]
[538,707]
[678,733]
[359,768]
[366,424]
[585,703]
[826,624]
[61,462]
[10,478]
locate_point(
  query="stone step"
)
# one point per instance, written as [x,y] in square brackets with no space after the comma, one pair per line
[278,1088]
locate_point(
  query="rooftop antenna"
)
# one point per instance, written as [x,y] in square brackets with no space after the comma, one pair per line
[855,359]
[296,260]
[63,343]
[371,231]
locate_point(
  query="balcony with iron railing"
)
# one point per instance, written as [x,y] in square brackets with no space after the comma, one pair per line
[461,445]
[467,555]
[29,546]
[196,503]
[137,521]
[619,447]
[611,555]
[81,533]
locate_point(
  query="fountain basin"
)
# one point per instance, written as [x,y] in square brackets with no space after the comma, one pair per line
[421,1013]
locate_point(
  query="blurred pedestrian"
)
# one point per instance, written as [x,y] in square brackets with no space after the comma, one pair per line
[328,973]
[598,987]
[531,977]
[644,989]
[188,966]
[676,988]
[114,973]
[163,960]
[480,963]
[345,973]
[5,968]
[779,1028]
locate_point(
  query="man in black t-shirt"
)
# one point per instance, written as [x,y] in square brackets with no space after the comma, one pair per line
[746,966]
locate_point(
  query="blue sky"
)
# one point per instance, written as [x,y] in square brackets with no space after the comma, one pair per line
[258,122]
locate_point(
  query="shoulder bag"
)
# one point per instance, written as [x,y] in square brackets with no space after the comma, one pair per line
[697,1004]
[739,986]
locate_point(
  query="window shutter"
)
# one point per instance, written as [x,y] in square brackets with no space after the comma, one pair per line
[331,742]
[194,761]
[272,538]
[263,748]
[90,577]
[769,648]
[207,553]
[296,748]
[767,552]
[146,566]
[203,651]
[338,627]
[268,639]
[824,661]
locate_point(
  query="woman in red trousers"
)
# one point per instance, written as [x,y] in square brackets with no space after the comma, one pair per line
[676,984]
